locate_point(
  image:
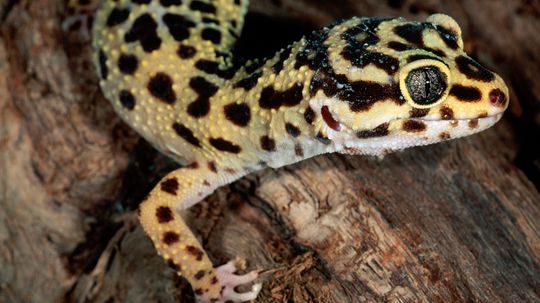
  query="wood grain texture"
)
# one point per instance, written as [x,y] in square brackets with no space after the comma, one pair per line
[454,222]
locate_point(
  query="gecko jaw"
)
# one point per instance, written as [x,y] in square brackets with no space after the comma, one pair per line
[404,133]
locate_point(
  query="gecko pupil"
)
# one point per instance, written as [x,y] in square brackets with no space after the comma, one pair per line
[425,85]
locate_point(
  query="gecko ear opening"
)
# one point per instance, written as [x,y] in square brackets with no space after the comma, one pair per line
[449,25]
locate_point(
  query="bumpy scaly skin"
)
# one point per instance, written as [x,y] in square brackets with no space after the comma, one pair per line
[167,69]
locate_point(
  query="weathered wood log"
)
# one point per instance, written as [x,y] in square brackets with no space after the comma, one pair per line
[454,222]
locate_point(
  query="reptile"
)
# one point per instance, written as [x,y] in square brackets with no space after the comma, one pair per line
[363,86]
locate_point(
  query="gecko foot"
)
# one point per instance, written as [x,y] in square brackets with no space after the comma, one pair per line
[229,281]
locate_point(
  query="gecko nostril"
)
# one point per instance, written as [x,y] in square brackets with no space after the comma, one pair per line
[497,98]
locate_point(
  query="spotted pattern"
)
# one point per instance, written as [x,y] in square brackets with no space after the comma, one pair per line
[160,86]
[170,238]
[170,186]
[144,30]
[172,76]
[164,214]
[205,89]
[238,114]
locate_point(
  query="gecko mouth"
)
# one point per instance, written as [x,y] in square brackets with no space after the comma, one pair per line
[479,123]
[399,134]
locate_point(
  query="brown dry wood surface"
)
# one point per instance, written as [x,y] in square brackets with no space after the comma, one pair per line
[454,222]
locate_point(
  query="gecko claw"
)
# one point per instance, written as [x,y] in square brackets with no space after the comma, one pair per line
[229,281]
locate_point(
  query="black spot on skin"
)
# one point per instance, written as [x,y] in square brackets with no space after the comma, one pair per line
[211,34]
[418,112]
[144,30]
[170,238]
[168,3]
[212,167]
[170,186]
[278,66]
[210,20]
[127,99]
[298,150]
[398,46]
[205,89]
[249,82]
[473,70]
[268,143]
[186,51]
[199,275]
[193,165]
[411,32]
[473,123]
[446,113]
[323,139]
[414,126]
[103,65]
[225,146]
[178,26]
[214,280]
[117,16]
[164,214]
[444,136]
[198,291]
[186,134]
[239,114]
[212,67]
[466,93]
[309,115]
[436,52]
[363,58]
[449,37]
[272,99]
[379,131]
[292,130]
[196,252]
[128,64]
[160,86]
[202,7]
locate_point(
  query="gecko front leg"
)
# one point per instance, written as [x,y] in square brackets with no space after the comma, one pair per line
[175,242]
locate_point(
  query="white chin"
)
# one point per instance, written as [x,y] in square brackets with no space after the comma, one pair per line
[434,132]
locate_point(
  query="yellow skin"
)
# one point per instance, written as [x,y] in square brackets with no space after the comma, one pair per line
[361,86]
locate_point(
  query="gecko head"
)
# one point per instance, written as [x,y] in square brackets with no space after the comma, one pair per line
[394,83]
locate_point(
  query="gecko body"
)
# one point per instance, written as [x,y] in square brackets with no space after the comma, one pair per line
[359,86]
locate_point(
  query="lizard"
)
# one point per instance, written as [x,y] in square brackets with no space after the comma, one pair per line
[362,86]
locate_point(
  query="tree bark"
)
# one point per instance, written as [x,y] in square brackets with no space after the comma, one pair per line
[453,222]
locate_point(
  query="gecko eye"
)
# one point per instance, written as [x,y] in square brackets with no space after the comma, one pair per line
[426,85]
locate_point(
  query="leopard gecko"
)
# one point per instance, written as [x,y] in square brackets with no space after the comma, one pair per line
[365,86]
